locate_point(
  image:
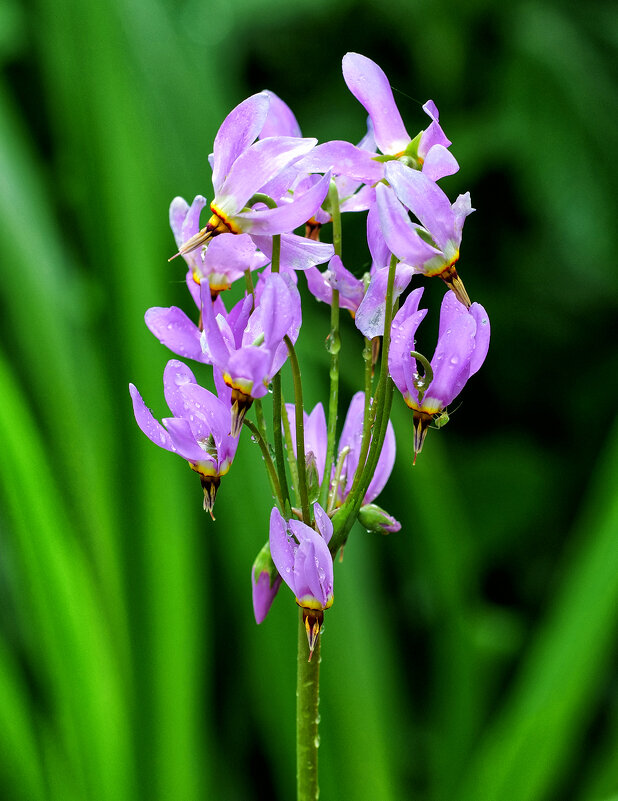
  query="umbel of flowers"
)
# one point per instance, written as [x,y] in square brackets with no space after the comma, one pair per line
[273,190]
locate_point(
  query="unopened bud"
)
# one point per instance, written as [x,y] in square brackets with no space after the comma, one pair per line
[375,519]
[313,478]
[265,583]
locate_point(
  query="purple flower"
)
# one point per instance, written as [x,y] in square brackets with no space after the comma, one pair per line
[304,562]
[321,285]
[242,167]
[370,315]
[315,431]
[249,349]
[440,221]
[223,262]
[428,151]
[265,583]
[366,303]
[198,431]
[463,341]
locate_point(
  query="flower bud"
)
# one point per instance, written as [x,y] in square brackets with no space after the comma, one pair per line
[265,583]
[313,477]
[375,519]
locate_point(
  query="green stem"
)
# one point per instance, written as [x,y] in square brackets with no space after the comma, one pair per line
[278,440]
[249,286]
[259,418]
[307,716]
[300,431]
[270,467]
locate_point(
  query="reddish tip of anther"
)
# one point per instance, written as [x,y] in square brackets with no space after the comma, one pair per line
[414,460]
[171,258]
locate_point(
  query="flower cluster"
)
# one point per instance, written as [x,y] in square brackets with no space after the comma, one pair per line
[268,181]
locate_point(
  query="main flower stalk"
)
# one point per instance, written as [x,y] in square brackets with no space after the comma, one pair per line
[307,714]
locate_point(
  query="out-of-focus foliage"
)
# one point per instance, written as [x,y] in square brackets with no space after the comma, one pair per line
[470,656]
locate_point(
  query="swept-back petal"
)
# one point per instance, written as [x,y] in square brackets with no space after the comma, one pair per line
[280,120]
[433,134]
[370,86]
[343,158]
[426,200]
[229,252]
[176,331]
[323,522]
[281,548]
[216,351]
[297,252]
[451,363]
[400,234]
[146,421]
[403,330]
[439,163]
[238,131]
[384,467]
[371,313]
[187,445]
[481,339]
[175,376]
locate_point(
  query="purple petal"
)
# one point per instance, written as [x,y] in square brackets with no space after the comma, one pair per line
[178,212]
[462,207]
[210,415]
[238,131]
[371,314]
[352,436]
[217,349]
[257,165]
[316,437]
[384,467]
[400,234]
[439,163]
[263,594]
[481,340]
[281,548]
[425,199]
[175,330]
[229,252]
[451,363]
[297,252]
[360,201]
[450,310]
[187,445]
[250,367]
[238,318]
[433,134]
[307,587]
[319,285]
[403,330]
[380,253]
[151,427]
[280,120]
[313,565]
[175,376]
[343,158]
[285,218]
[369,85]
[323,522]
[276,310]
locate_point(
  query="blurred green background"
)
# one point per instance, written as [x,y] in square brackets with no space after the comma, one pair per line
[473,655]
